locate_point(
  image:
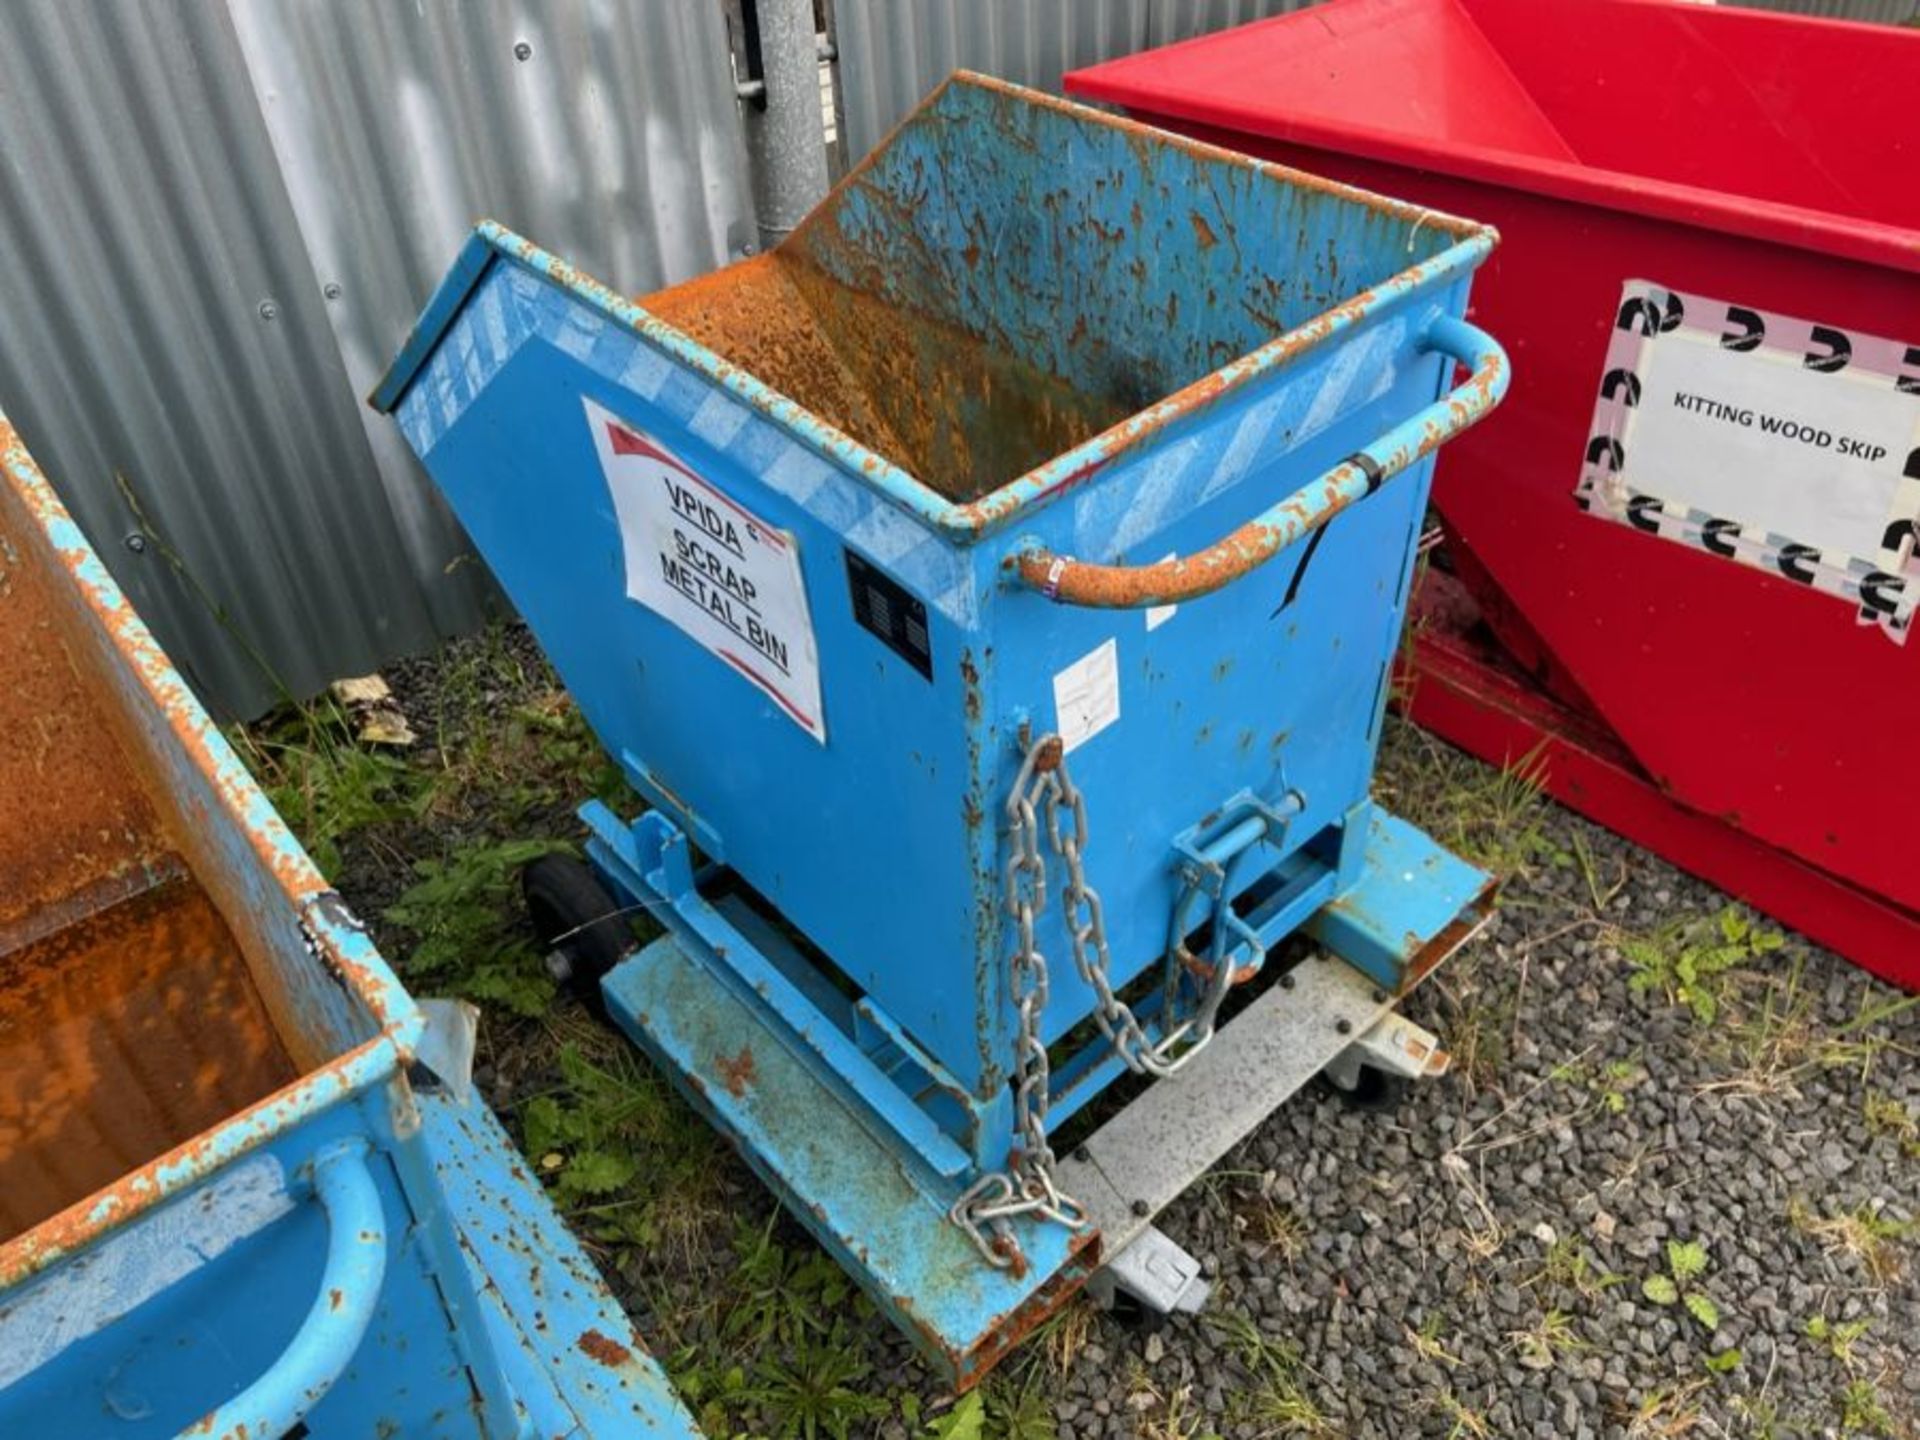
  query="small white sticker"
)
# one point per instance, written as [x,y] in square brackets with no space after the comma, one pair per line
[1086,695]
[1158,615]
[698,558]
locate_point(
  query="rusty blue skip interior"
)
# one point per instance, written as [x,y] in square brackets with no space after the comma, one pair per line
[1257,327]
[358,1251]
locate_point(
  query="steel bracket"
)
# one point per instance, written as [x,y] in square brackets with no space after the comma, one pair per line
[1154,1273]
[1395,1045]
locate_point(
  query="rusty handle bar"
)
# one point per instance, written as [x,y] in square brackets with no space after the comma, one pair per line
[1170,582]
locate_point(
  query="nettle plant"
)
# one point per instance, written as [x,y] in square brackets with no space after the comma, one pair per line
[1687,1262]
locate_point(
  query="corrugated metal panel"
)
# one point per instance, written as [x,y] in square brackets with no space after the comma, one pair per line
[1182,19]
[1879,12]
[151,222]
[892,52]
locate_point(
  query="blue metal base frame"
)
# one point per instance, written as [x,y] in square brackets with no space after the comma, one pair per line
[566,1348]
[831,1106]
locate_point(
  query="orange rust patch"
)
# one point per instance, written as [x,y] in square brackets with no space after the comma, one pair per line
[73,817]
[736,1072]
[122,1035]
[960,416]
[1202,231]
[596,1346]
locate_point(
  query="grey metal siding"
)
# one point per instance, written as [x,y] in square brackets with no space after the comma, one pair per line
[216,224]
[1878,12]
[893,51]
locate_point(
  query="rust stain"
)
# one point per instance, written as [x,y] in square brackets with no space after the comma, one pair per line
[73,817]
[958,414]
[1007,1331]
[236,799]
[1076,582]
[603,1348]
[970,685]
[737,1071]
[1423,960]
[75,645]
[1202,231]
[1008,1249]
[121,1036]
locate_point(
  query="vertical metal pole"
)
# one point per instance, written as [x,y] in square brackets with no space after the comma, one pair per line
[785,134]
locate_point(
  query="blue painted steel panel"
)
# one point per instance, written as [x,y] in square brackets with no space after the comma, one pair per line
[1214,337]
[306,1257]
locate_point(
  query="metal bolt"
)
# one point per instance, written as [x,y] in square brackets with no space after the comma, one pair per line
[137,543]
[1345,1027]
[1081,1154]
[331,290]
[1286,981]
[268,310]
[1379,996]
[749,248]
[1141,1209]
[522,50]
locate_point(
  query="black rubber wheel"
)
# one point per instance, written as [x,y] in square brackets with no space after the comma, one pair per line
[579,924]
[1374,1090]
[1133,1316]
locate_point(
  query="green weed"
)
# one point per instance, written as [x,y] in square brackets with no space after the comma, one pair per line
[630,1165]
[967,1420]
[1018,1409]
[1609,1084]
[1547,1340]
[1569,1267]
[1693,962]
[325,783]
[1686,1261]
[1494,817]
[1838,1338]
[1861,1411]
[1277,1401]
[1872,1239]
[463,912]
[818,1391]
[784,1297]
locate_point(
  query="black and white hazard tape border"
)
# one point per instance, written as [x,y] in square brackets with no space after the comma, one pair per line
[1885,588]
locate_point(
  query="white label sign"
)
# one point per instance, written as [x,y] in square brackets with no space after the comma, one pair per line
[698,558]
[1759,438]
[1086,695]
[1786,445]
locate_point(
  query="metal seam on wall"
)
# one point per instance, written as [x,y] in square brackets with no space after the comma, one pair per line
[216,224]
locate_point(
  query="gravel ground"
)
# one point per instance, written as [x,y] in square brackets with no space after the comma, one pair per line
[1476,1261]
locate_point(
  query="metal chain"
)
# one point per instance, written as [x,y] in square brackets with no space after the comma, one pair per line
[1044,786]
[1028,1187]
[1087,929]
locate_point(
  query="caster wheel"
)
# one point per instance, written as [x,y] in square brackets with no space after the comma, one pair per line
[1135,1318]
[580,924]
[1373,1089]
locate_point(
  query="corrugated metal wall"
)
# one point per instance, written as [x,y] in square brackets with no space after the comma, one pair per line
[1878,12]
[216,224]
[893,51]
[218,219]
